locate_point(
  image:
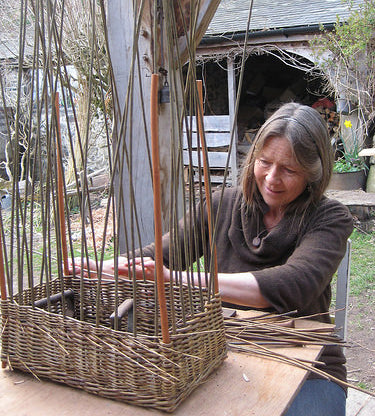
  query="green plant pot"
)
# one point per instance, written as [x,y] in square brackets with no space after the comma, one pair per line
[347,181]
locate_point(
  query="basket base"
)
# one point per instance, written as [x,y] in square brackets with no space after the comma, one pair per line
[111,363]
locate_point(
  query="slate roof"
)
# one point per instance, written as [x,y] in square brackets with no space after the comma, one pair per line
[9,31]
[232,15]
[8,48]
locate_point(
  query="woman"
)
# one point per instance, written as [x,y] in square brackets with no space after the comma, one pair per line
[279,239]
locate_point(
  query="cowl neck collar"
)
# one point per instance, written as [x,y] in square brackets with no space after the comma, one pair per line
[247,225]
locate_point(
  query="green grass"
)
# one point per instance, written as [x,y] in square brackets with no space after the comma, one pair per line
[363,385]
[39,257]
[199,263]
[362,265]
[362,271]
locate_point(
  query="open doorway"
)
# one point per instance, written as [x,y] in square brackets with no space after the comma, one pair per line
[269,82]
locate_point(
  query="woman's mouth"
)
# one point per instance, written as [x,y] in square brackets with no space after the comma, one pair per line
[272,191]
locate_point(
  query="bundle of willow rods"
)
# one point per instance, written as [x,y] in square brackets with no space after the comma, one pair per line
[262,335]
[276,330]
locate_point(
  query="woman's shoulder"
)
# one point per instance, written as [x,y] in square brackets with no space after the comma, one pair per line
[332,210]
[228,196]
[330,203]
[228,192]
[330,220]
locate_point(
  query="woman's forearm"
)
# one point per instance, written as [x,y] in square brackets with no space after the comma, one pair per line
[237,288]
[241,289]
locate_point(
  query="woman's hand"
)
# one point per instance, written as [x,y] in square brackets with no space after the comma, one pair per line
[143,268]
[91,268]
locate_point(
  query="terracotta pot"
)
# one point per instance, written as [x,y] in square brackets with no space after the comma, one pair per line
[347,181]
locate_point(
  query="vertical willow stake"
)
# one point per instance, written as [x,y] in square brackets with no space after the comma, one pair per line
[206,177]
[157,207]
[3,288]
[60,189]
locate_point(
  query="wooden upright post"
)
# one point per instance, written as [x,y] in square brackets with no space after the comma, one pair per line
[121,18]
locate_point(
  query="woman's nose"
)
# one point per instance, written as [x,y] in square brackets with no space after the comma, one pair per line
[273,175]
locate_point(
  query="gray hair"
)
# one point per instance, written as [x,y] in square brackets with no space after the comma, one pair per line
[307,132]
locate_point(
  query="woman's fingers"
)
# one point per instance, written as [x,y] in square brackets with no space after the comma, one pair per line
[148,269]
[144,268]
[88,269]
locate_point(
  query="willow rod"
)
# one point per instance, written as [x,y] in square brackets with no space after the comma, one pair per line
[262,351]
[3,288]
[206,177]
[157,207]
[60,189]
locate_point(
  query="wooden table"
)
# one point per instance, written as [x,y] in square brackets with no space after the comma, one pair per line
[243,386]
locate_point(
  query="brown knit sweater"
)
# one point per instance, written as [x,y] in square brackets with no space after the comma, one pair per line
[292,265]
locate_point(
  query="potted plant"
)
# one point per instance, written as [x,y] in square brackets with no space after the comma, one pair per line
[349,169]
[346,55]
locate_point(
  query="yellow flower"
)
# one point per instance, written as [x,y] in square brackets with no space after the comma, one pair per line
[348,124]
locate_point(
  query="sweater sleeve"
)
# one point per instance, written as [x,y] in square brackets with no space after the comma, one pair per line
[306,275]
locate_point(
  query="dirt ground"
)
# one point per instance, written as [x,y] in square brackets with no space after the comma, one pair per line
[361,319]
[361,338]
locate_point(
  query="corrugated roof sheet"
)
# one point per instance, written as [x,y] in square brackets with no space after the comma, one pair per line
[232,15]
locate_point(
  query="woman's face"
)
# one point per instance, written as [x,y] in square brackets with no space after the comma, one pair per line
[279,177]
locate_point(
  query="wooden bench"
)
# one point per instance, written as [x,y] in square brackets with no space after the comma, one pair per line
[217,132]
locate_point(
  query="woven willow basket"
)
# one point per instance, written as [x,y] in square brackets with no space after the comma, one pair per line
[115,364]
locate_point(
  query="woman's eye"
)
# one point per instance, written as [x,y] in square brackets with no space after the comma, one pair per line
[290,171]
[264,162]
